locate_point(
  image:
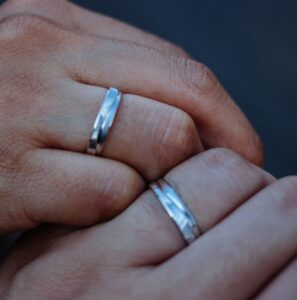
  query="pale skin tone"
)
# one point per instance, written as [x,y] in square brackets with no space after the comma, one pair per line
[248,249]
[55,68]
[56,62]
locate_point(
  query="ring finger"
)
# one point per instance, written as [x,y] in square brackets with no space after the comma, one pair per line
[213,184]
[150,136]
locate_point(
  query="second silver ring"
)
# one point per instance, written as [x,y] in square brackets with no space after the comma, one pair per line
[177,210]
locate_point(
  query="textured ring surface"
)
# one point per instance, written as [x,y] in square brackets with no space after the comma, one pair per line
[104,120]
[177,210]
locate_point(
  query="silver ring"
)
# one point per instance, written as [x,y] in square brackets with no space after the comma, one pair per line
[104,120]
[177,210]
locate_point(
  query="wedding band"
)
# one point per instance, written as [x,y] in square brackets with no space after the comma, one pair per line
[104,120]
[177,210]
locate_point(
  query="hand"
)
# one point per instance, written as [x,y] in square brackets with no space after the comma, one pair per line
[51,84]
[141,255]
[170,76]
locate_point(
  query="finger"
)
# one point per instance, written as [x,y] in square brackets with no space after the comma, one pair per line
[213,184]
[67,188]
[63,266]
[244,251]
[76,18]
[31,245]
[177,81]
[283,286]
[71,62]
[147,135]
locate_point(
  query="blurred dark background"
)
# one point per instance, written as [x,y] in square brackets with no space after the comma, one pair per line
[250,45]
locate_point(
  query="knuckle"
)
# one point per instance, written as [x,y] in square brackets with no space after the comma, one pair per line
[186,132]
[20,3]
[18,33]
[225,158]
[25,4]
[178,139]
[219,156]
[17,22]
[196,76]
[235,168]
[33,7]
[27,27]
[125,185]
[131,186]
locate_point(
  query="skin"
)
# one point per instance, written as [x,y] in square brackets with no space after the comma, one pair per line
[56,62]
[55,68]
[170,75]
[249,221]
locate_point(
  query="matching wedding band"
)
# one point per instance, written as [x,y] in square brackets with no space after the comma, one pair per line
[170,200]
[104,120]
[177,210]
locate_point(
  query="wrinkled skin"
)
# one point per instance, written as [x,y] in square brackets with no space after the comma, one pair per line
[56,62]
[249,221]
